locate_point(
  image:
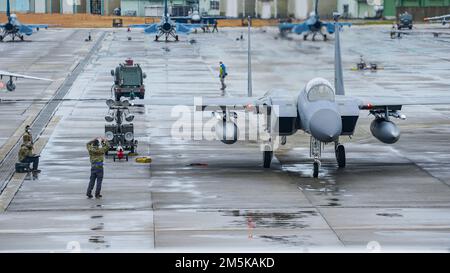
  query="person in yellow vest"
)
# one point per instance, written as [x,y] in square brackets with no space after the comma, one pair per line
[97,149]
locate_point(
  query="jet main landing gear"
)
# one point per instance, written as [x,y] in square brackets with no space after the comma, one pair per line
[339,150]
[267,158]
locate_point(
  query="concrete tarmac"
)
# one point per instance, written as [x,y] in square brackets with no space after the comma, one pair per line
[200,195]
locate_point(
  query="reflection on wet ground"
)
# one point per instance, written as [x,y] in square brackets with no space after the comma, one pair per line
[325,186]
[264,219]
[390,214]
[292,240]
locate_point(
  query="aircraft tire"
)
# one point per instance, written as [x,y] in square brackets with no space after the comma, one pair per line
[267,157]
[1,38]
[176,38]
[316,170]
[340,156]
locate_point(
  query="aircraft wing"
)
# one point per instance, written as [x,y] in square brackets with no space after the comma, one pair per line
[204,103]
[153,28]
[8,74]
[36,26]
[230,103]
[331,29]
[140,25]
[438,18]
[300,28]
[396,103]
[183,28]
[25,30]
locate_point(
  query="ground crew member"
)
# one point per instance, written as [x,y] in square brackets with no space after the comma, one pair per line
[215,26]
[222,74]
[97,149]
[27,137]
[26,156]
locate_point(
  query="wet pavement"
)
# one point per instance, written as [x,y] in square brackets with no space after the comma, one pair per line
[208,196]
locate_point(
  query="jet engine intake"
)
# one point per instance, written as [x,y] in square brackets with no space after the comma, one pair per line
[385,131]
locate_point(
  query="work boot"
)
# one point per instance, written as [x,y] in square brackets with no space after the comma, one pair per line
[89,195]
[98,196]
[36,171]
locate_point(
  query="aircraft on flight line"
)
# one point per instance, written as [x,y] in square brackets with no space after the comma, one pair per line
[196,17]
[10,85]
[320,110]
[444,19]
[16,29]
[167,27]
[312,26]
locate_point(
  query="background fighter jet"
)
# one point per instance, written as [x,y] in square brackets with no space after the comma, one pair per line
[197,18]
[312,26]
[167,27]
[320,110]
[14,28]
[444,19]
[10,86]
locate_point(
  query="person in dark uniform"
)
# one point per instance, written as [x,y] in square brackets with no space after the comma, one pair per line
[97,149]
[215,26]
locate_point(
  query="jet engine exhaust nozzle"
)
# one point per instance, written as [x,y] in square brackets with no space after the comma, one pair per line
[166,27]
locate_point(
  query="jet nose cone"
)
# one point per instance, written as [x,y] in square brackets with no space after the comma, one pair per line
[326,125]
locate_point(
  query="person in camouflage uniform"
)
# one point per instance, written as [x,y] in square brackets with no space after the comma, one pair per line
[97,149]
[26,156]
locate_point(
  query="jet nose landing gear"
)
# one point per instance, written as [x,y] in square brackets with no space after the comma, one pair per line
[316,152]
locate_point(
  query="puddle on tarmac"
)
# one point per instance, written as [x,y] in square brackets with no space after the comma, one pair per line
[292,240]
[260,219]
[390,214]
[100,226]
[325,185]
[97,239]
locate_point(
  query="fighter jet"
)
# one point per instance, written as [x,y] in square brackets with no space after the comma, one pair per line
[444,19]
[312,26]
[166,27]
[16,29]
[319,109]
[196,18]
[10,85]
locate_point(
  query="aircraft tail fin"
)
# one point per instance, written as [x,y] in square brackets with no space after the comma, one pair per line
[338,74]
[316,8]
[8,9]
[166,9]
[249,77]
